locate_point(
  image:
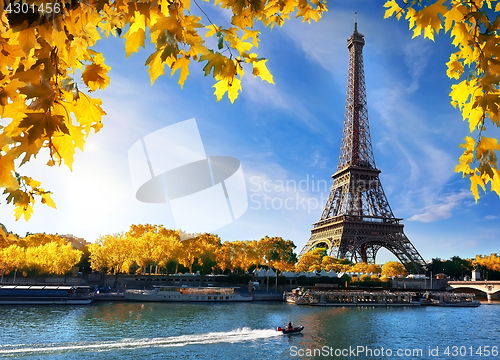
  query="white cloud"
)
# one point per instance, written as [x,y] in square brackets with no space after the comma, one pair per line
[491,217]
[416,55]
[442,209]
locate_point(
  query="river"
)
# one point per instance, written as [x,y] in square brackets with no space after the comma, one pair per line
[246,331]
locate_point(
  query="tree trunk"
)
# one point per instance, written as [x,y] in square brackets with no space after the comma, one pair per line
[116,280]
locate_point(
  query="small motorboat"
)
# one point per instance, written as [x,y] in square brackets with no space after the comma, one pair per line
[288,330]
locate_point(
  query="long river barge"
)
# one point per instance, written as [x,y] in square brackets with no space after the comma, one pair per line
[45,295]
[384,298]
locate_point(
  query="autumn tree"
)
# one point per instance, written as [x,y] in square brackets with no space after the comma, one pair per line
[474,29]
[12,257]
[112,253]
[254,253]
[359,267]
[168,249]
[393,268]
[202,249]
[337,265]
[42,107]
[311,260]
[489,265]
[278,253]
[208,247]
[99,258]
[224,256]
[52,258]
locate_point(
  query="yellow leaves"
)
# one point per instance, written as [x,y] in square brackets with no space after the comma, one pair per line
[156,66]
[40,125]
[486,144]
[427,19]
[7,179]
[216,61]
[231,86]
[42,104]
[23,210]
[182,64]
[27,40]
[47,199]
[487,171]
[259,67]
[95,76]
[461,92]
[136,35]
[476,180]
[495,181]
[455,67]
[463,163]
[134,41]
[454,16]
[393,9]
[309,13]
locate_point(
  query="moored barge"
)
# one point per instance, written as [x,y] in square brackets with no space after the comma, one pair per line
[186,294]
[45,295]
[354,298]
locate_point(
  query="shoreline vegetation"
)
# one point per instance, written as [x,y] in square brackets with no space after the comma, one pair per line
[154,250]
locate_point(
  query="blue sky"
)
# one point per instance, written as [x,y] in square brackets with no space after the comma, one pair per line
[287,133]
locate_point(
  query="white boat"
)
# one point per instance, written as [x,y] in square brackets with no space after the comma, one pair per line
[45,295]
[186,294]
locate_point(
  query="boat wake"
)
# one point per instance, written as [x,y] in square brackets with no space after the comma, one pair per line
[234,336]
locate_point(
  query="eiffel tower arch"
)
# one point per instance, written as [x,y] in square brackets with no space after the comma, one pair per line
[357,220]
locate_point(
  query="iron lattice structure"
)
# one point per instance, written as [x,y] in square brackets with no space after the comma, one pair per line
[357,220]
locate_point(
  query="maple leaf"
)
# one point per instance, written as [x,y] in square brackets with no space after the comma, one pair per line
[23,210]
[469,144]
[134,41]
[181,63]
[393,7]
[95,76]
[427,19]
[216,61]
[455,67]
[156,65]
[454,15]
[7,180]
[465,159]
[476,181]
[309,13]
[42,124]
[231,86]
[43,95]
[486,144]
[254,34]
[260,69]
[495,181]
[27,40]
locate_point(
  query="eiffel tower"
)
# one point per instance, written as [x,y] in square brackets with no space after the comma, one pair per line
[357,220]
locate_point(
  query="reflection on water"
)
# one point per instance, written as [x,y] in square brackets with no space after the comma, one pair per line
[232,331]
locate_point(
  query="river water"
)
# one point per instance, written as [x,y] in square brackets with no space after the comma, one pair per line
[246,331]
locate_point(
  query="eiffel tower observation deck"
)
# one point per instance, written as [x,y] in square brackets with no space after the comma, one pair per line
[357,220]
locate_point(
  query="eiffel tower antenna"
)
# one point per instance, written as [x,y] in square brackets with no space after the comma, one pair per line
[357,220]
